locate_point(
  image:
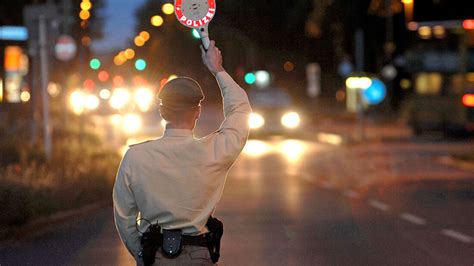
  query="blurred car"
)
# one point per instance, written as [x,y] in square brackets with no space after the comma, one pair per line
[274,113]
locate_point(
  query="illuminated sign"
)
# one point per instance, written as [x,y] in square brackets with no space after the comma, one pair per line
[15,65]
[13,33]
[12,58]
[195,13]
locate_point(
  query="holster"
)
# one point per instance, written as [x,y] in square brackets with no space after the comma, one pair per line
[213,238]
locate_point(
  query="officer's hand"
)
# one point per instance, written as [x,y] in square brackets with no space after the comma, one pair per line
[212,59]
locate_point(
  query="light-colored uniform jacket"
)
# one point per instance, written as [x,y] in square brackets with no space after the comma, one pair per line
[177,179]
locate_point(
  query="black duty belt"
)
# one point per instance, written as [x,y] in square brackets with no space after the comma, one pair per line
[171,241]
[199,240]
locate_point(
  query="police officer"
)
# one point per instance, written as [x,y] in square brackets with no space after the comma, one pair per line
[177,180]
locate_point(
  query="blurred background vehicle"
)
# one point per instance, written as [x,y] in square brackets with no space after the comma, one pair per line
[274,113]
[441,64]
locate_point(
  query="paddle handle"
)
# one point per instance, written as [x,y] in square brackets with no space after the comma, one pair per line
[204,34]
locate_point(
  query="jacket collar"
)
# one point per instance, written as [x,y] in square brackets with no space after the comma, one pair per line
[178,133]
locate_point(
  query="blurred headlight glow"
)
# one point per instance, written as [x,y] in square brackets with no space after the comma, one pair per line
[132,123]
[77,101]
[291,120]
[144,99]
[256,148]
[120,98]
[293,149]
[116,119]
[104,94]
[256,121]
[92,102]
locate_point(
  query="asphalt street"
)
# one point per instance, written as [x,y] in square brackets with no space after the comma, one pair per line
[294,202]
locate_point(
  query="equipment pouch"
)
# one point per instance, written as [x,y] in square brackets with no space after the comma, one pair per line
[172,243]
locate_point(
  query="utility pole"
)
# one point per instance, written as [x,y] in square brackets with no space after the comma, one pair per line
[38,18]
[44,69]
[359,58]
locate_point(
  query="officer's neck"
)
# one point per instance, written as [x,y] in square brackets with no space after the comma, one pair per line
[184,125]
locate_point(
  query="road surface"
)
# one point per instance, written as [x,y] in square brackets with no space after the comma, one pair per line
[294,202]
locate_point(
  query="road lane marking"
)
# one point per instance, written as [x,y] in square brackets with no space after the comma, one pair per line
[458,236]
[351,194]
[413,218]
[379,205]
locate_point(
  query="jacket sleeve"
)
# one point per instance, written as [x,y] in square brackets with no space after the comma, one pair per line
[125,208]
[232,135]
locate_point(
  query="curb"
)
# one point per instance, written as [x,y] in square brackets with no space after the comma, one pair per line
[43,224]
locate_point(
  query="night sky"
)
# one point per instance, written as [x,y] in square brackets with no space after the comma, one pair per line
[117,12]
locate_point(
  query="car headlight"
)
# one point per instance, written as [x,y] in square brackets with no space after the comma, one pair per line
[144,99]
[291,120]
[256,121]
[132,123]
[120,98]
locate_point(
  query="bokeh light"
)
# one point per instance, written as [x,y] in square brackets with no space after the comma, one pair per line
[293,149]
[118,81]
[77,101]
[86,5]
[25,96]
[95,63]
[104,94]
[86,40]
[256,148]
[143,99]
[168,8]
[145,35]
[139,41]
[157,21]
[132,123]
[92,102]
[103,76]
[120,98]
[140,64]
[250,78]
[256,121]
[84,14]
[88,84]
[54,89]
[291,120]
[288,66]
[129,53]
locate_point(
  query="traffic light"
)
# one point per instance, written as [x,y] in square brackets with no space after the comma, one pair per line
[95,63]
[140,64]
[250,78]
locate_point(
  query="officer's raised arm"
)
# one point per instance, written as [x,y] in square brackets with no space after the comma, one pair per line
[233,133]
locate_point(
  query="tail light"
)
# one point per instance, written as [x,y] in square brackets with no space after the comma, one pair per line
[468,24]
[468,100]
